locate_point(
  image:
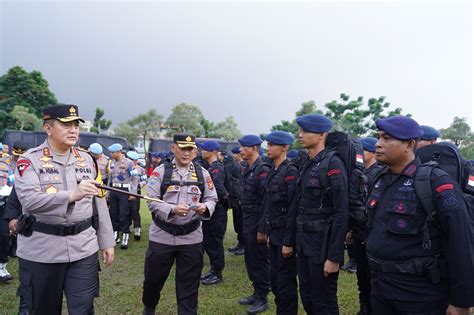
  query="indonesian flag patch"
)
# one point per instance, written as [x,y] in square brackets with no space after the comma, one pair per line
[359,158]
[470,181]
[22,165]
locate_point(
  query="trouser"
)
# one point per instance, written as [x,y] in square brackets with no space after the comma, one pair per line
[283,281]
[257,263]
[135,212]
[213,243]
[120,211]
[318,293]
[42,285]
[363,271]
[5,242]
[158,262]
[385,306]
[237,218]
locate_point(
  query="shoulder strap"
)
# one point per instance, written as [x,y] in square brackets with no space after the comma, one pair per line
[424,193]
[166,178]
[324,168]
[200,177]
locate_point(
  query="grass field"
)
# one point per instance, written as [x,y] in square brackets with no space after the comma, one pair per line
[121,284]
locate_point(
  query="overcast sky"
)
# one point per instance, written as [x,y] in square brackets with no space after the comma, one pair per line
[255,61]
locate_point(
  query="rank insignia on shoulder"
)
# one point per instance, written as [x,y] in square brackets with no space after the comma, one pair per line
[51,190]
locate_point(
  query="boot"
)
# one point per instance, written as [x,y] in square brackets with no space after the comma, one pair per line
[148,310]
[260,305]
[234,248]
[239,251]
[214,278]
[4,274]
[248,300]
[125,237]
[207,275]
[117,237]
[138,234]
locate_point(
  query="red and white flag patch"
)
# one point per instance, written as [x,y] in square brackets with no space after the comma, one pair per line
[359,158]
[470,181]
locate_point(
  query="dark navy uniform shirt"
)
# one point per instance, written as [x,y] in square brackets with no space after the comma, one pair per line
[217,172]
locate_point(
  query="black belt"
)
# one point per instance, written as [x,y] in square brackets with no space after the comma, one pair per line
[62,229]
[312,226]
[277,223]
[176,229]
[320,210]
[412,266]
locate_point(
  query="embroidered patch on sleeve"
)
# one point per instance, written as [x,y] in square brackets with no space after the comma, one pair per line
[334,172]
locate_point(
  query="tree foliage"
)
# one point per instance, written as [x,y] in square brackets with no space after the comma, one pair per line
[146,125]
[185,118]
[227,129]
[125,130]
[460,133]
[25,119]
[100,124]
[20,88]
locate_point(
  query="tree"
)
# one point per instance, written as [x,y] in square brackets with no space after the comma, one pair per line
[227,129]
[30,90]
[125,130]
[146,125]
[185,118]
[99,124]
[209,128]
[458,132]
[25,119]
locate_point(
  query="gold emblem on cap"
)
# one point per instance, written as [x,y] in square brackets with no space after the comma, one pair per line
[188,138]
[72,109]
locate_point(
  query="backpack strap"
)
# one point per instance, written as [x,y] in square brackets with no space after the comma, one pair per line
[324,169]
[200,177]
[425,195]
[166,178]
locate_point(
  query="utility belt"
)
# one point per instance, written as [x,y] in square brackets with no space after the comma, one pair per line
[434,268]
[319,210]
[27,224]
[313,225]
[277,223]
[176,229]
[120,185]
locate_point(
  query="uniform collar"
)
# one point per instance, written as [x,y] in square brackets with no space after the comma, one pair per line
[47,151]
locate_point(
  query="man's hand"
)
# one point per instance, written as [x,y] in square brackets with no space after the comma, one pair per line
[12,226]
[131,198]
[330,267]
[261,238]
[349,238]
[453,310]
[108,256]
[199,208]
[85,188]
[181,210]
[287,251]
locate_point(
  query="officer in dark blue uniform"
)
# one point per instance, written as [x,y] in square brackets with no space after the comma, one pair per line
[429,136]
[233,173]
[214,229]
[421,260]
[318,218]
[254,178]
[281,185]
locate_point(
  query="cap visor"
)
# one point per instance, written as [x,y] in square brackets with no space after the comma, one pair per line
[186,145]
[69,119]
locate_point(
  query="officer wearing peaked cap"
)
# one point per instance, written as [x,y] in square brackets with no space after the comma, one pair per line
[279,191]
[254,176]
[318,218]
[429,136]
[419,255]
[122,176]
[58,234]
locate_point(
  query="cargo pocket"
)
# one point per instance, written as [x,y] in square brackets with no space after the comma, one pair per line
[172,194]
[194,194]
[402,218]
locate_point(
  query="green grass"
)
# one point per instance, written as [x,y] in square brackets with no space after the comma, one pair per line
[121,284]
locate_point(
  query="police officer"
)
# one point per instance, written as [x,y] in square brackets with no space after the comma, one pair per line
[155,161]
[421,259]
[429,136]
[122,176]
[214,229]
[135,204]
[58,234]
[281,185]
[318,218]
[103,161]
[233,172]
[254,177]
[189,196]
[6,183]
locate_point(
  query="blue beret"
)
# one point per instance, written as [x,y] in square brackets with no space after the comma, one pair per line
[132,155]
[368,143]
[115,147]
[250,141]
[429,133]
[400,127]
[280,137]
[95,148]
[314,123]
[292,154]
[210,145]
[235,150]
[155,154]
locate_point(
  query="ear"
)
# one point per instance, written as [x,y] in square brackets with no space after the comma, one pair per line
[411,145]
[47,129]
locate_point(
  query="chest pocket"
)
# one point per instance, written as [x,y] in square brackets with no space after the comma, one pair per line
[172,194]
[194,194]
[402,218]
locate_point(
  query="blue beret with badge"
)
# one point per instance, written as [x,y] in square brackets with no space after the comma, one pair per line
[400,127]
[115,147]
[292,154]
[250,141]
[368,143]
[95,148]
[132,155]
[280,137]
[429,133]
[314,123]
[210,145]
[235,150]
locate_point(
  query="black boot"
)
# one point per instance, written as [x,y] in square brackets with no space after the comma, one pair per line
[239,251]
[248,300]
[207,275]
[234,248]
[215,278]
[148,310]
[260,305]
